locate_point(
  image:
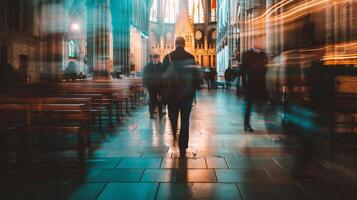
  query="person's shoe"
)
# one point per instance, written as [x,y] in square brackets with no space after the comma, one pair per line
[248,128]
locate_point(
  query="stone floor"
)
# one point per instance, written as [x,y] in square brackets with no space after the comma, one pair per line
[138,159]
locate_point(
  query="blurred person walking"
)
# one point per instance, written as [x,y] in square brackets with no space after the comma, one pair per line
[228,77]
[253,72]
[180,81]
[213,78]
[207,77]
[152,81]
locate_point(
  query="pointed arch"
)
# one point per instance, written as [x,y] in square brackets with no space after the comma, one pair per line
[170,10]
[196,11]
[213,10]
[154,11]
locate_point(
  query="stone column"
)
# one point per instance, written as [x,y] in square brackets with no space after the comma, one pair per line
[269,31]
[53,34]
[99,31]
[121,12]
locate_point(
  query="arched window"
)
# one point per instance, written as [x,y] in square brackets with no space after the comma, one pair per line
[71,49]
[196,11]
[223,12]
[213,10]
[154,11]
[170,9]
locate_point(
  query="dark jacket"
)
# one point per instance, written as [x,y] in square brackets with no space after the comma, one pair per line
[228,74]
[152,76]
[182,87]
[253,72]
[179,57]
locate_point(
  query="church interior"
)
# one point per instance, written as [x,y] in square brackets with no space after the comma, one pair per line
[271,110]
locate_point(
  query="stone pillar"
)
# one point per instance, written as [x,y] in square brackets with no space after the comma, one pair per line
[99,31]
[269,30]
[243,28]
[121,12]
[53,34]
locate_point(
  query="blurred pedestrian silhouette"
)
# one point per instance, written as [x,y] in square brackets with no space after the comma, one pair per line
[180,81]
[213,78]
[253,73]
[207,77]
[228,77]
[152,81]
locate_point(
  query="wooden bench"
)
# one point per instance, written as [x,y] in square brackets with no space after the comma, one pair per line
[94,112]
[48,118]
[46,108]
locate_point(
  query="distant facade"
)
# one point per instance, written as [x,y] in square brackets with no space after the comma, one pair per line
[195,20]
[20,38]
[228,28]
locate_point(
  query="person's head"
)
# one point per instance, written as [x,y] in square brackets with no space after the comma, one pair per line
[180,42]
[155,59]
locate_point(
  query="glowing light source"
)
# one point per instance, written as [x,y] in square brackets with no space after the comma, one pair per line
[75,27]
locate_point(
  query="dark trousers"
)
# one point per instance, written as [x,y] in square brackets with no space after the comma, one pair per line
[260,105]
[209,84]
[248,110]
[228,85]
[185,110]
[153,102]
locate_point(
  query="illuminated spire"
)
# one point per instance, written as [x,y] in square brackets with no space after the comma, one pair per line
[184,26]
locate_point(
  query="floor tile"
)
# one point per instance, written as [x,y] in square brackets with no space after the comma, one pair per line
[213,162]
[169,163]
[198,191]
[87,191]
[123,154]
[196,175]
[118,175]
[133,191]
[159,175]
[242,175]
[252,163]
[156,155]
[139,163]
[269,191]
[102,163]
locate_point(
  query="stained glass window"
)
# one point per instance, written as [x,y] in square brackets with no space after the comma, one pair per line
[223,12]
[213,10]
[71,49]
[196,11]
[154,11]
[170,9]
